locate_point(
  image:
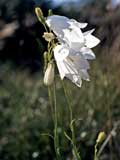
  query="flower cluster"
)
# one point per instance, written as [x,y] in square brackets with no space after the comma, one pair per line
[73,49]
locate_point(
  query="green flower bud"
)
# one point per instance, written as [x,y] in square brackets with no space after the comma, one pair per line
[50,13]
[39,14]
[101,137]
[49,74]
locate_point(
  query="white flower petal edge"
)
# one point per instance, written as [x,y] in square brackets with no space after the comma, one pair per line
[72,66]
[74,38]
[61,23]
[69,72]
[87,53]
[73,23]
[90,40]
[69,31]
[57,24]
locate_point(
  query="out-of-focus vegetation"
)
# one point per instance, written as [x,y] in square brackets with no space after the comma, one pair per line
[25,113]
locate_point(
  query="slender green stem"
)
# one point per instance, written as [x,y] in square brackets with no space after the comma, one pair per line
[71,124]
[52,99]
[45,27]
[56,138]
[95,152]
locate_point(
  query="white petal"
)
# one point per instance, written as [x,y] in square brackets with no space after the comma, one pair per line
[91,41]
[75,79]
[74,38]
[60,52]
[88,32]
[57,21]
[87,53]
[61,69]
[79,62]
[66,69]
[73,23]
[79,83]
[84,75]
[57,24]
[82,25]
[71,68]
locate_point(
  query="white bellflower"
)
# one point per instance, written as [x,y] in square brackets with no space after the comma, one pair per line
[74,50]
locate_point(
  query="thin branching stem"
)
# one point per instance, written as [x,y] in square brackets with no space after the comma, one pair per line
[77,155]
[51,101]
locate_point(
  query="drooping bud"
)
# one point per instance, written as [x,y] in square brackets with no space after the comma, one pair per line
[39,14]
[49,74]
[48,36]
[101,137]
[50,13]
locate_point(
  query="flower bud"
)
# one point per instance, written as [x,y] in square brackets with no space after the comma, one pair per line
[48,36]
[101,137]
[39,14]
[50,13]
[49,74]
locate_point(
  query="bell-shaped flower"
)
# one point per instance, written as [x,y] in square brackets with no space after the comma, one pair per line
[74,51]
[69,31]
[72,65]
[60,23]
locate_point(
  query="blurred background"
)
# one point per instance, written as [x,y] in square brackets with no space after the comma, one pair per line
[25,112]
